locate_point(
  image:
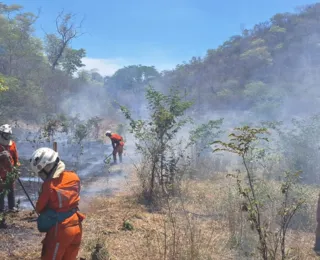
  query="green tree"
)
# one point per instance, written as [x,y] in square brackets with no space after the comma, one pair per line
[72,60]
[57,45]
[157,141]
[96,77]
[17,46]
[133,78]
[129,83]
[244,142]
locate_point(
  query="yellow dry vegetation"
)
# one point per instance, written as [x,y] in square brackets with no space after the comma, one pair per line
[202,222]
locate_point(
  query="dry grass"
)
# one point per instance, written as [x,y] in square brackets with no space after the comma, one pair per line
[204,222]
[151,232]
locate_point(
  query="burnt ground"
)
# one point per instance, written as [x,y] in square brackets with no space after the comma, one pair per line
[21,240]
[96,177]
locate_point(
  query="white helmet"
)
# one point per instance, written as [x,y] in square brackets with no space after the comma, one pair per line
[108,133]
[6,129]
[6,132]
[41,158]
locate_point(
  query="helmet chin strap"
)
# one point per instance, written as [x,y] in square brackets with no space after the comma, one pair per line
[43,174]
[5,136]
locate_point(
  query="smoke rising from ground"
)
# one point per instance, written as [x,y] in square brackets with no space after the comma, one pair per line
[87,102]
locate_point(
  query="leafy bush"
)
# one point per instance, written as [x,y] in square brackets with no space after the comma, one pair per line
[242,142]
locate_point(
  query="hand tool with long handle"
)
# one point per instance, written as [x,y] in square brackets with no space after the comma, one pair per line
[27,195]
[105,160]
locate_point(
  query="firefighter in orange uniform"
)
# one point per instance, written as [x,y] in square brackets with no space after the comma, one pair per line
[59,193]
[117,144]
[8,159]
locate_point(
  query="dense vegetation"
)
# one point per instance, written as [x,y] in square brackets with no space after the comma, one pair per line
[264,68]
[37,73]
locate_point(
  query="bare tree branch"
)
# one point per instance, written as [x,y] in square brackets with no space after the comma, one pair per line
[67,31]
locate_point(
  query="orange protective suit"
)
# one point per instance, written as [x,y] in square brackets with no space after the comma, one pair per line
[61,193]
[6,164]
[117,144]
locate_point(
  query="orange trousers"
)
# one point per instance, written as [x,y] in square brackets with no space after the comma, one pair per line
[62,243]
[117,150]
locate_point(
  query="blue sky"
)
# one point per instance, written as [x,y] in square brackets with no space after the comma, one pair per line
[162,33]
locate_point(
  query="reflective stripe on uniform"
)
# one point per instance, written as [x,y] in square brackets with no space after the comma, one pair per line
[55,251]
[59,198]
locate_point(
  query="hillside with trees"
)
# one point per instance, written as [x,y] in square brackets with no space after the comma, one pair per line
[263,70]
